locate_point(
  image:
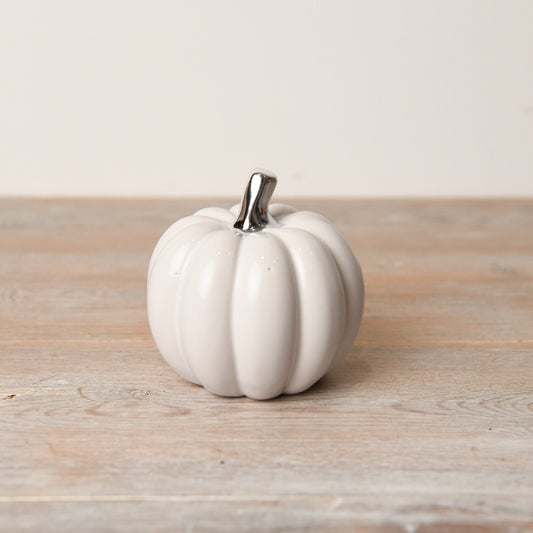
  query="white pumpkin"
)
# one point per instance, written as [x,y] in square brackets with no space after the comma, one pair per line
[257,304]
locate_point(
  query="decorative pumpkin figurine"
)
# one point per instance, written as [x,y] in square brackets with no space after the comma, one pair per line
[257,301]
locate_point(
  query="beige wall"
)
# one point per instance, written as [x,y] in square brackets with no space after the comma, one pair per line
[337,97]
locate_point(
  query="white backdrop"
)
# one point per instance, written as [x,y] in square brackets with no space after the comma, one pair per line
[162,97]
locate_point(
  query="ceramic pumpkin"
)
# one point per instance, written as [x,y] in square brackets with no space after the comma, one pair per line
[257,301]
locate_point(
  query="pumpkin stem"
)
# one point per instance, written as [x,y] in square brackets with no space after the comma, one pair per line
[254,208]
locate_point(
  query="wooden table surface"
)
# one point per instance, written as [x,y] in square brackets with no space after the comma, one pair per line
[428,424]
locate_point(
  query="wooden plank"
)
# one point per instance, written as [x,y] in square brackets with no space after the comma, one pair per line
[427,424]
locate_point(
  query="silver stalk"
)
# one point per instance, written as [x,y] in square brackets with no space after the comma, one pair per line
[254,208]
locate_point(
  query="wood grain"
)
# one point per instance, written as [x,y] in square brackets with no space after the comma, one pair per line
[428,425]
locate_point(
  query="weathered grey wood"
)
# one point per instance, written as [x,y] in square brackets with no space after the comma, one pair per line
[427,425]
